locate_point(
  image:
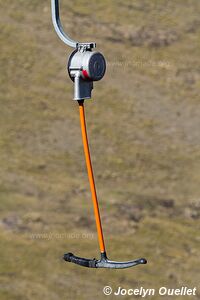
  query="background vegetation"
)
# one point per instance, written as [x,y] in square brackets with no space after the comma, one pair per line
[143,125]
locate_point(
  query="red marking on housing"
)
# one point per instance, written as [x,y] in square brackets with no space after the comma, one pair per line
[85,74]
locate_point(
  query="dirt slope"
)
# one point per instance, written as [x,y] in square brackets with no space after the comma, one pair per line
[143,125]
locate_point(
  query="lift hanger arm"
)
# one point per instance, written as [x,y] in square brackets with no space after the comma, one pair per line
[58,26]
[60,32]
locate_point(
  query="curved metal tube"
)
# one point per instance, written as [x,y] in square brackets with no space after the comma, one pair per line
[58,26]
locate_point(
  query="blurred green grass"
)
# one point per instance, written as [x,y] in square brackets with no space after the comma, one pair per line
[143,126]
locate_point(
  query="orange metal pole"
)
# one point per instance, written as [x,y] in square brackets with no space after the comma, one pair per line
[91,176]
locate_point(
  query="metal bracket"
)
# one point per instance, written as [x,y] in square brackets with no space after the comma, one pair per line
[82,47]
[82,88]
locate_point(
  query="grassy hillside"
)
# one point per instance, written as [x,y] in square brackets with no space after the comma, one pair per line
[143,125]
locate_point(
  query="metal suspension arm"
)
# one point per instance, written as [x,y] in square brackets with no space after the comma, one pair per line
[58,26]
[60,32]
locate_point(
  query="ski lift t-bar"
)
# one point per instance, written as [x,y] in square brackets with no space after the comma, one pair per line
[84,67]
